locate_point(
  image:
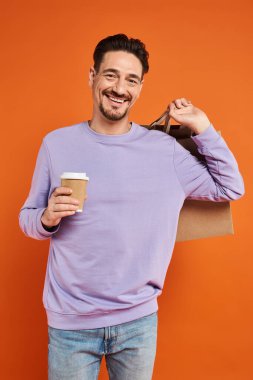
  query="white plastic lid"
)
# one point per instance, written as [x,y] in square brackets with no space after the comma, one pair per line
[71,175]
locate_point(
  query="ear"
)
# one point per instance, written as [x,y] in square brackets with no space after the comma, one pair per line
[92,74]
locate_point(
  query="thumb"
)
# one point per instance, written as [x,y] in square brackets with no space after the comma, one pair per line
[171,107]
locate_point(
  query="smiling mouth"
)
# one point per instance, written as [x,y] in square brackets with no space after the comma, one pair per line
[116,100]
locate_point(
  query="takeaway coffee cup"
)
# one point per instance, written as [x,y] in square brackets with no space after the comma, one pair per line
[78,183]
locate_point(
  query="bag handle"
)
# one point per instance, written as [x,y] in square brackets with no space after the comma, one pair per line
[178,131]
[165,116]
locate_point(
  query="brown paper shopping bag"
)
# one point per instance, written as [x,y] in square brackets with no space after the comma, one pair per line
[198,219]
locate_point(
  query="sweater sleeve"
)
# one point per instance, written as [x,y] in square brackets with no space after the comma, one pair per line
[37,201]
[215,179]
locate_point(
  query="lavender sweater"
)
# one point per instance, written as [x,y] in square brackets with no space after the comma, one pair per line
[107,265]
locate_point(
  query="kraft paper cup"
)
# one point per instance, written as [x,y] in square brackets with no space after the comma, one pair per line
[78,183]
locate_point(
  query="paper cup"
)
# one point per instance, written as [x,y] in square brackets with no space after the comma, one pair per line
[78,183]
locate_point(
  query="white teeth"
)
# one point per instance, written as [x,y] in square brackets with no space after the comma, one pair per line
[117,100]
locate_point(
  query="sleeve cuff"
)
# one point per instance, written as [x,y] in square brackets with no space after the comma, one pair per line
[41,230]
[207,136]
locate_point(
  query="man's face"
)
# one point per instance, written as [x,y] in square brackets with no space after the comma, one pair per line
[117,85]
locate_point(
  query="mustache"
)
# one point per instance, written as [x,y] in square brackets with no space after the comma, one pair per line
[113,93]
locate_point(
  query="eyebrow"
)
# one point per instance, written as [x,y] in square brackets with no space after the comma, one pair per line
[118,72]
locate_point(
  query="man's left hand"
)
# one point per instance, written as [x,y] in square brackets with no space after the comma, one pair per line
[185,113]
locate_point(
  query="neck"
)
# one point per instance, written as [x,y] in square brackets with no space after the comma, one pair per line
[109,127]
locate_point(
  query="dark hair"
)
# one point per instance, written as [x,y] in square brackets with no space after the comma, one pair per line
[121,42]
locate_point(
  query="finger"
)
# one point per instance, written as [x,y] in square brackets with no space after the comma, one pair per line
[62,191]
[178,103]
[173,111]
[62,214]
[66,199]
[171,106]
[185,102]
[63,207]
[181,102]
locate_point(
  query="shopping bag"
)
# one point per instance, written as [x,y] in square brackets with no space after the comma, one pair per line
[198,218]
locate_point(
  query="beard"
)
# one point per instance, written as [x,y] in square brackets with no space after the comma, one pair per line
[112,115]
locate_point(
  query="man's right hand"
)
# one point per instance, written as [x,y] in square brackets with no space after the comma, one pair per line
[60,204]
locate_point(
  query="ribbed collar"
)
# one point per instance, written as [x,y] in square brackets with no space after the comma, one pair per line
[109,138]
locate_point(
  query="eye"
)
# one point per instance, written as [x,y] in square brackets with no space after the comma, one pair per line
[133,82]
[110,76]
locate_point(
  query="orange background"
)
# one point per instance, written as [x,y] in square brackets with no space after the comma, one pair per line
[199,50]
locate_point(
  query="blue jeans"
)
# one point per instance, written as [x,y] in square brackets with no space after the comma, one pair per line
[129,350]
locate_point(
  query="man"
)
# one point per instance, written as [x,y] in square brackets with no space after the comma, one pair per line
[107,265]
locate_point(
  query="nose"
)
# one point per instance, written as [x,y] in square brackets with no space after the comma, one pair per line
[119,86]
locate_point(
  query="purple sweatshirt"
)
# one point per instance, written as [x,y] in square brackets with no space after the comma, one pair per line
[107,265]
